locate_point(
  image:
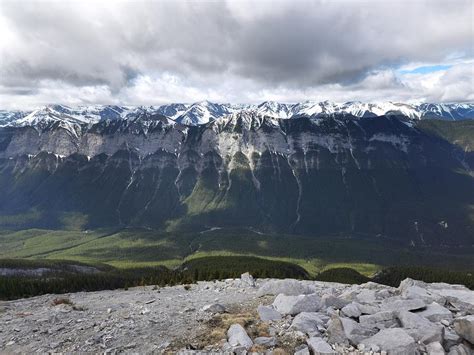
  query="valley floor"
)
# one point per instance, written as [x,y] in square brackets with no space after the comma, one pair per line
[128,248]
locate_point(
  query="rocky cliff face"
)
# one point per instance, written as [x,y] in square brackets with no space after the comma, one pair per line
[380,177]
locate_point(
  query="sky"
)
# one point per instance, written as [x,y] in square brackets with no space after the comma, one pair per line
[155,52]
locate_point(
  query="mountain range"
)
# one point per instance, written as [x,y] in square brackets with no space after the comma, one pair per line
[205,111]
[322,172]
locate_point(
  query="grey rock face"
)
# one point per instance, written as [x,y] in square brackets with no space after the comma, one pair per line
[394,341]
[451,338]
[420,328]
[247,279]
[347,331]
[435,349]
[320,347]
[464,326]
[351,310]
[458,296]
[333,301]
[302,350]
[380,320]
[296,304]
[309,322]
[436,313]
[237,336]
[395,304]
[460,349]
[268,313]
[265,341]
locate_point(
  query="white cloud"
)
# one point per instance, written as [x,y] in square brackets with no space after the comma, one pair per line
[150,52]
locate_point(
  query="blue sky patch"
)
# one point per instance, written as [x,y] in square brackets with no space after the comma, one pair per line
[426,69]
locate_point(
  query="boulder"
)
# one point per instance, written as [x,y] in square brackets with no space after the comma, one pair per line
[368,308]
[287,287]
[297,304]
[214,308]
[380,320]
[247,279]
[265,341]
[451,338]
[458,296]
[309,322]
[464,326]
[420,328]
[347,331]
[351,310]
[302,350]
[394,341]
[436,313]
[320,347]
[237,337]
[460,349]
[366,296]
[435,348]
[398,304]
[333,301]
[413,289]
[267,313]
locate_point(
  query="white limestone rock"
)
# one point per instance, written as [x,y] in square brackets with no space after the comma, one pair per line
[398,304]
[320,347]
[237,336]
[214,308]
[296,304]
[435,348]
[436,313]
[333,301]
[287,287]
[309,322]
[351,310]
[461,349]
[380,320]
[464,326]
[247,279]
[394,341]
[268,313]
[302,350]
[347,331]
[420,328]
[265,341]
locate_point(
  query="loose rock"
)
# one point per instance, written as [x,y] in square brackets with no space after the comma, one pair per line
[320,347]
[394,341]
[296,304]
[237,336]
[464,326]
[267,313]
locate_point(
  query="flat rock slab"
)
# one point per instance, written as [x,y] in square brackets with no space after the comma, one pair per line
[320,347]
[394,341]
[268,313]
[296,304]
[237,336]
[309,322]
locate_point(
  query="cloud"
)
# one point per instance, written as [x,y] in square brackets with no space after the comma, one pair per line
[151,52]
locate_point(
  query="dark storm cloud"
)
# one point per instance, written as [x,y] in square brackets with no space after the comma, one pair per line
[284,44]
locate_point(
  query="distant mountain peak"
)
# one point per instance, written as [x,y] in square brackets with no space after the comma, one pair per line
[205,111]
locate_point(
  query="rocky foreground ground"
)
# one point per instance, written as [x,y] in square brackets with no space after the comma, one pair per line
[246,315]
